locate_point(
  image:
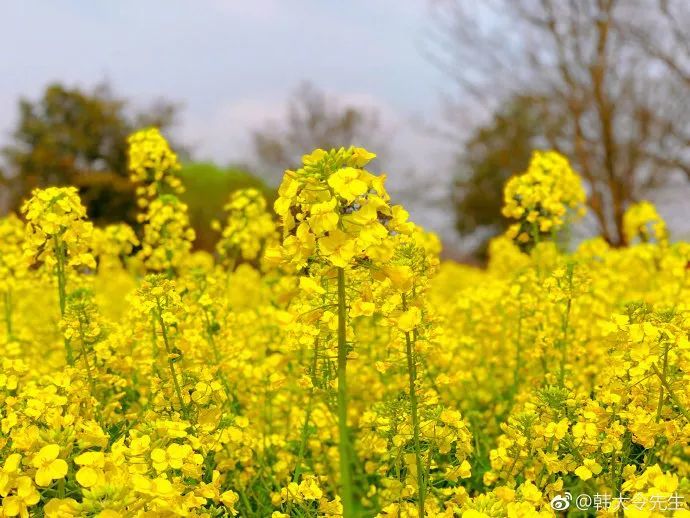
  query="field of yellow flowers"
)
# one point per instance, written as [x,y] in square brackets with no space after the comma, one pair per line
[330,365]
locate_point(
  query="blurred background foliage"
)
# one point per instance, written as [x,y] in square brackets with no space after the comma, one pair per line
[492,154]
[604,82]
[207,190]
[75,137]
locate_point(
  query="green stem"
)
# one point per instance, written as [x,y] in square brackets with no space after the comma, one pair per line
[154,336]
[625,452]
[660,405]
[171,364]
[412,376]
[566,323]
[86,363]
[344,441]
[665,384]
[92,382]
[518,351]
[59,255]
[154,346]
[304,436]
[307,417]
[59,250]
[216,353]
[427,471]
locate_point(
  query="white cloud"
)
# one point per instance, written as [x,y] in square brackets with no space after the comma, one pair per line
[223,134]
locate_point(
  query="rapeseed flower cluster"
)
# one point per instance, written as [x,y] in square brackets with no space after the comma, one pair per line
[642,222]
[330,364]
[152,165]
[541,197]
[249,227]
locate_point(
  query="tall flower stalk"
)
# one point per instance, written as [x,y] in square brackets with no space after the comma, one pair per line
[158,298]
[58,239]
[168,235]
[80,323]
[413,263]
[344,446]
[414,411]
[337,222]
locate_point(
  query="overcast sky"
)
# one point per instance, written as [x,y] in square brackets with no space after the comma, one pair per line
[232,64]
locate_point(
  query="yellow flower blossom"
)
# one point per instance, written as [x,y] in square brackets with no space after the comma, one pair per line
[48,466]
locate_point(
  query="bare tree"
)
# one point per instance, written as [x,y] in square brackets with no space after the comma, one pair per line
[615,73]
[314,121]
